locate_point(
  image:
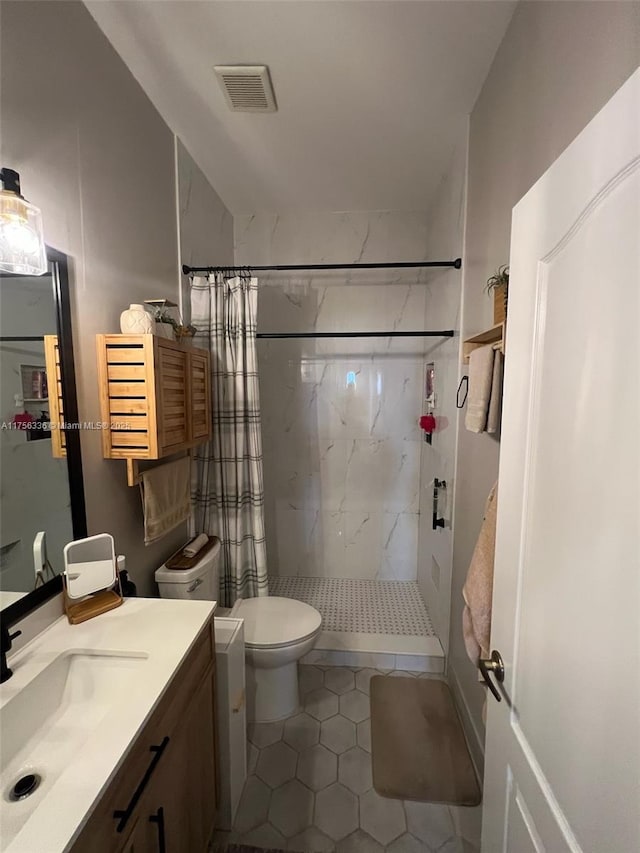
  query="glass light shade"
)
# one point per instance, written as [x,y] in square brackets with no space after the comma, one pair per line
[22,248]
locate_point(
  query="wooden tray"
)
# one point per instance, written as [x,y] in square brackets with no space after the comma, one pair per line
[179,561]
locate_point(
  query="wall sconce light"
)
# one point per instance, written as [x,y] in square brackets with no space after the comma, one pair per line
[22,248]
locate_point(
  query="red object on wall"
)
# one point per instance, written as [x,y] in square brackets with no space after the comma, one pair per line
[428,423]
[23,420]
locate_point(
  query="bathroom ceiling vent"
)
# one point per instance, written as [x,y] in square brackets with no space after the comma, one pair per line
[247,88]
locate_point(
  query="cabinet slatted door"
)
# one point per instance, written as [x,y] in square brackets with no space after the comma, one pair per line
[155,394]
[127,396]
[54,384]
[172,398]
[199,390]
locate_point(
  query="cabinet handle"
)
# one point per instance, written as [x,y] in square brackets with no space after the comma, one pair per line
[158,818]
[122,816]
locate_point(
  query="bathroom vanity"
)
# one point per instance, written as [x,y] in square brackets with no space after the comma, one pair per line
[116,717]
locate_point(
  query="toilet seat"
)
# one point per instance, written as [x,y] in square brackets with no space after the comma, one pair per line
[272,622]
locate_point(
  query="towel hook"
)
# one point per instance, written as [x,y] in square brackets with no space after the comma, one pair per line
[465,380]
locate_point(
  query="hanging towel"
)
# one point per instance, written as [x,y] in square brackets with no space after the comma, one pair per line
[478,587]
[165,498]
[495,403]
[480,379]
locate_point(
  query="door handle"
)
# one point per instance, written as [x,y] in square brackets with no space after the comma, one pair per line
[158,818]
[494,665]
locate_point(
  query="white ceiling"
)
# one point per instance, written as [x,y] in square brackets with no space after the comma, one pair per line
[372,95]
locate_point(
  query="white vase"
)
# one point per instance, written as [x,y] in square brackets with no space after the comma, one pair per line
[136,321]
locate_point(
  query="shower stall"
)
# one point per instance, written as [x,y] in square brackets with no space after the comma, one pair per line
[348,477]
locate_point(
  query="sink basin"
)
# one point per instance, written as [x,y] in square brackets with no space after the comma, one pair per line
[47,722]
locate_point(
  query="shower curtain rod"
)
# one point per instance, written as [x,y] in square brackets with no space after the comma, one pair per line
[457,264]
[446,333]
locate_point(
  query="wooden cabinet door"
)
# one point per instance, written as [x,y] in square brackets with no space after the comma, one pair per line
[54,383]
[171,398]
[143,838]
[199,395]
[181,801]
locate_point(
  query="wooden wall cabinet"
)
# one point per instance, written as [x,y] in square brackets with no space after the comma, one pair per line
[155,394]
[54,383]
[163,797]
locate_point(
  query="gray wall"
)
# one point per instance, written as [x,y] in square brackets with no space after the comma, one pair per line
[206,226]
[557,66]
[96,156]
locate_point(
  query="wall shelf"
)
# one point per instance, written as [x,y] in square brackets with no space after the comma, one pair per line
[494,335]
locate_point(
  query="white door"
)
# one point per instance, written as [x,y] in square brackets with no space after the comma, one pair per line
[563,747]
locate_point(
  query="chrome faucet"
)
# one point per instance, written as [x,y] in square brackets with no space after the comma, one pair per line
[6,640]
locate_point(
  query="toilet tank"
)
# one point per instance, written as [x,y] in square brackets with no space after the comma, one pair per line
[200,583]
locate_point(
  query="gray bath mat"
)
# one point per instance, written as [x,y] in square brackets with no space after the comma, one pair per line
[418,749]
[243,848]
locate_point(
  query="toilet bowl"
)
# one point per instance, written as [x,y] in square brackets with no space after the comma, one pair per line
[278,632]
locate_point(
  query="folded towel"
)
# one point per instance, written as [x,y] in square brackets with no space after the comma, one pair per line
[478,587]
[480,379]
[166,498]
[495,403]
[196,545]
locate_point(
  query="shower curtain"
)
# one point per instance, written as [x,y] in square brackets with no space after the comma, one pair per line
[228,493]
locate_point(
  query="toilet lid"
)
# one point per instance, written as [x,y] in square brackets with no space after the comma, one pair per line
[272,621]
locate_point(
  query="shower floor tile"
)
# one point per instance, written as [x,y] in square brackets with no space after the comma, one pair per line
[361,606]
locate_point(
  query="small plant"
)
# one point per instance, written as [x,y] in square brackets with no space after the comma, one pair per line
[498,279]
[165,315]
[498,284]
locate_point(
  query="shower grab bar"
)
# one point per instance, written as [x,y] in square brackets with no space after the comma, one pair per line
[437,485]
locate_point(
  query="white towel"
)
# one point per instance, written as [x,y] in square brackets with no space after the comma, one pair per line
[478,587]
[480,379]
[495,404]
[166,498]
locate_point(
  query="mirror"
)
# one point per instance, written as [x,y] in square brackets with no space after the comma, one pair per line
[41,488]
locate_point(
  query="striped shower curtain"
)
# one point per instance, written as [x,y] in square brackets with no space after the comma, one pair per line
[227,488]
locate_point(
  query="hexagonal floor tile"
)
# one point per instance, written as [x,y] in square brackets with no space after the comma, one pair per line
[264,734]
[252,758]
[321,703]
[354,770]
[339,680]
[359,842]
[301,731]
[454,845]
[338,734]
[381,817]
[291,809]
[364,735]
[265,836]
[309,678]
[317,767]
[355,706]
[364,677]
[254,805]
[277,764]
[336,811]
[312,839]
[430,822]
[408,844]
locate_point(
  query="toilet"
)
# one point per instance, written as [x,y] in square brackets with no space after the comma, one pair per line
[277,631]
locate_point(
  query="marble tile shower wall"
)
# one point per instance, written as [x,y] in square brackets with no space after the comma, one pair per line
[339,416]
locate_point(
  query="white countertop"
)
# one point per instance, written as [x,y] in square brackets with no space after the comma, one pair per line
[163,630]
